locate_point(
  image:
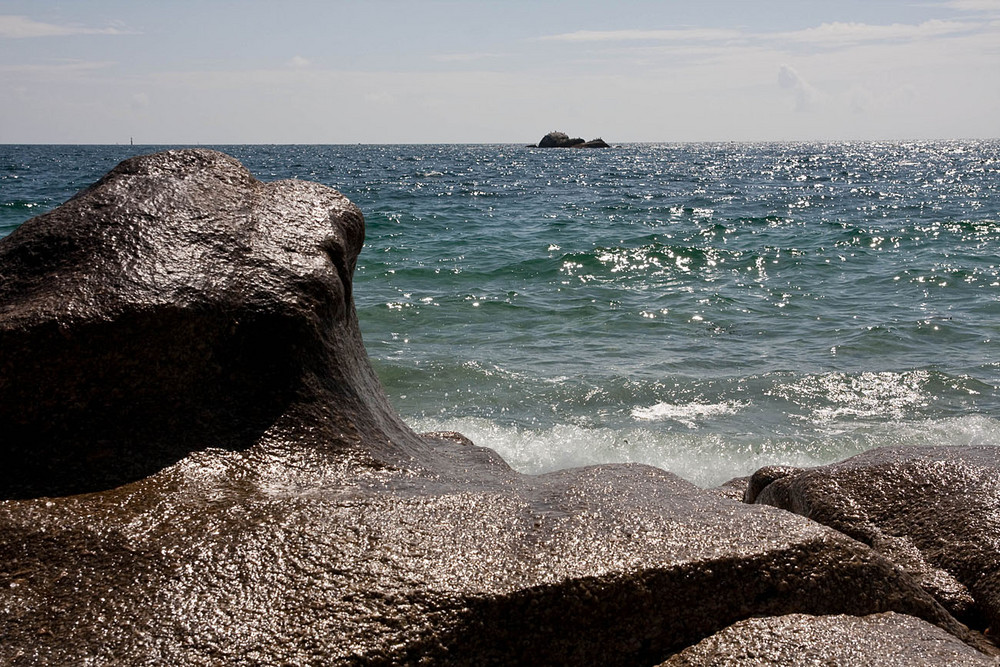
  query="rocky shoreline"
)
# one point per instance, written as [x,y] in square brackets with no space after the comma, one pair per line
[199,467]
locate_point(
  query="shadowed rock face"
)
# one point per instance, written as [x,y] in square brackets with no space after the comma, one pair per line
[179,342]
[935,511]
[881,640]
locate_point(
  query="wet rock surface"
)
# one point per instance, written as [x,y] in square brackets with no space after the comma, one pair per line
[881,640]
[935,511]
[202,469]
[270,557]
[175,305]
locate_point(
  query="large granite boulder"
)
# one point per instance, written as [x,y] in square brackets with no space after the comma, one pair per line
[201,468]
[799,640]
[935,511]
[180,304]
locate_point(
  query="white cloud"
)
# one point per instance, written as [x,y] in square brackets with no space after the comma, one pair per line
[806,96]
[71,67]
[682,35]
[22,27]
[298,62]
[463,57]
[833,34]
[824,35]
[986,6]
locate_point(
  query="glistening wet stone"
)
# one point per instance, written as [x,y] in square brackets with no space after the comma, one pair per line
[880,640]
[935,511]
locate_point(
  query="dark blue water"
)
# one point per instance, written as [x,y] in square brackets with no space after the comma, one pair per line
[707,308]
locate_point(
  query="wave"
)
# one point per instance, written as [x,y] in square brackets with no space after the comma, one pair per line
[689,414]
[705,458]
[21,206]
[828,397]
[13,213]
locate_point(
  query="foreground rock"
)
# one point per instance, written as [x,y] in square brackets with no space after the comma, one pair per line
[180,304]
[882,640]
[935,511]
[282,557]
[563,140]
[181,352]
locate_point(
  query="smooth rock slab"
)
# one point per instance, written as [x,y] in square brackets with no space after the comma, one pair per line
[880,640]
[935,511]
[259,557]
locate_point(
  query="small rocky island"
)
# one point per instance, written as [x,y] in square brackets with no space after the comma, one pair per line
[198,466]
[556,139]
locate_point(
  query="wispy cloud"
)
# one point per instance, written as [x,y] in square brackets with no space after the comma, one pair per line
[679,35]
[825,35]
[68,67]
[806,97]
[832,34]
[985,6]
[22,27]
[463,57]
[298,62]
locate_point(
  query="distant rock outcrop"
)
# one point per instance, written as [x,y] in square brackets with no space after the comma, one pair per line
[562,140]
[179,346]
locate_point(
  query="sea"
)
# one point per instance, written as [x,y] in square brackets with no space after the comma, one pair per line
[707,308]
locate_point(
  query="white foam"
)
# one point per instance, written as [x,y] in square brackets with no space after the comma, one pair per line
[688,414]
[866,395]
[699,455]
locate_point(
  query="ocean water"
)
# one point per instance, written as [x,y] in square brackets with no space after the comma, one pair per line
[705,308]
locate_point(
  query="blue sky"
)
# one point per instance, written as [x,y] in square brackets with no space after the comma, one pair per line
[383,71]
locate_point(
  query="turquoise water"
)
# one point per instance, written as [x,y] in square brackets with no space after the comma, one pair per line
[707,308]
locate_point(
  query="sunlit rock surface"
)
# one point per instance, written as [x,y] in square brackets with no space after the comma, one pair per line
[935,511]
[798,640]
[200,467]
[286,556]
[180,304]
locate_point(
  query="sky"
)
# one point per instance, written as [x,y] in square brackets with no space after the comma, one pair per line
[387,71]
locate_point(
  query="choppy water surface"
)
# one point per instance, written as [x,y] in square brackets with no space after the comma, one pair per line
[705,308]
